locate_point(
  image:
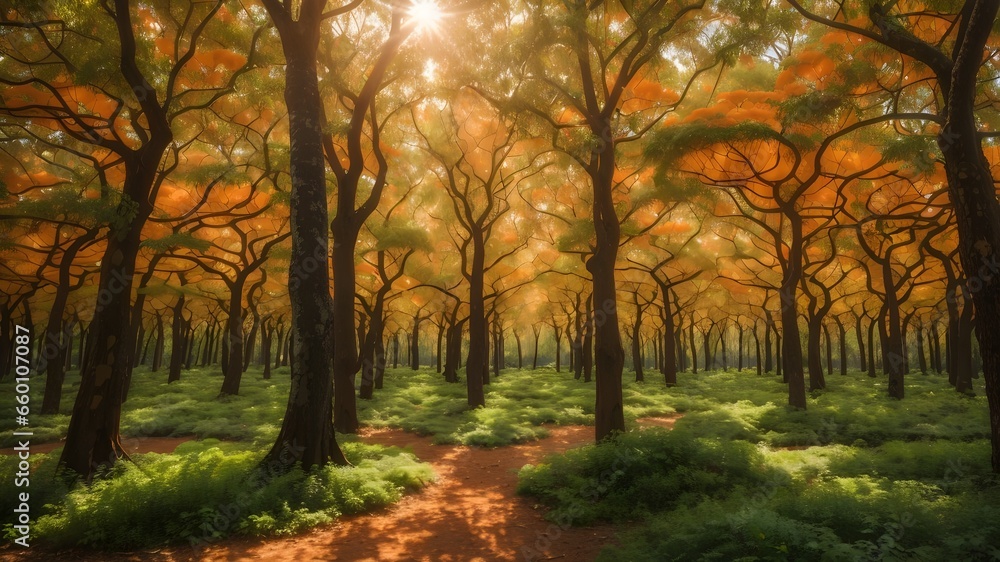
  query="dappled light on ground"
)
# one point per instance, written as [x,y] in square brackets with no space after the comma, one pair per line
[471,513]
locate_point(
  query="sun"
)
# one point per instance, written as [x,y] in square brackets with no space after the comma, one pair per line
[424,15]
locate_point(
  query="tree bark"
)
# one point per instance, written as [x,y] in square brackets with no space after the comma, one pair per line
[176,340]
[842,333]
[587,353]
[54,350]
[307,434]
[158,347]
[637,339]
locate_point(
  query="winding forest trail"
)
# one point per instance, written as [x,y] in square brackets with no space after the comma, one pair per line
[471,513]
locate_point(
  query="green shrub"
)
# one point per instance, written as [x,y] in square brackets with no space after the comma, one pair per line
[641,473]
[203,493]
[829,520]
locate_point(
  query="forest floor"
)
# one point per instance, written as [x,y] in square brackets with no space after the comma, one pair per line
[472,512]
[740,474]
[132,445]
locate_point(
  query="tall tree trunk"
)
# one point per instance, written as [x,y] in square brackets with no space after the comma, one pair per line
[145,348]
[972,192]
[415,343]
[251,337]
[140,337]
[739,349]
[307,435]
[53,347]
[756,342]
[93,439]
[814,338]
[577,350]
[680,348]
[921,358]
[694,350]
[265,359]
[189,345]
[637,339]
[871,347]
[893,351]
[768,326]
[558,337]
[963,352]
[791,350]
[176,340]
[233,368]
[440,348]
[935,340]
[158,348]
[778,363]
[862,356]
[453,348]
[370,359]
[477,361]
[279,348]
[587,356]
[842,338]
[537,331]
[609,355]
[707,348]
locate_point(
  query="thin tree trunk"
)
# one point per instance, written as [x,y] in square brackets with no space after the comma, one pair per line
[176,340]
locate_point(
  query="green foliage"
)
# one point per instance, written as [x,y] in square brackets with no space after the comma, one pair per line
[832,519]
[670,144]
[204,493]
[870,477]
[864,466]
[176,240]
[402,236]
[640,473]
[813,107]
[67,204]
[518,403]
[918,154]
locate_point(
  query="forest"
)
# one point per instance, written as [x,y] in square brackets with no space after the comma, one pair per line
[500,280]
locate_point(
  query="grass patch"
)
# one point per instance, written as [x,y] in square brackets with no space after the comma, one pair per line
[836,518]
[721,485]
[518,404]
[190,406]
[874,479]
[639,474]
[207,490]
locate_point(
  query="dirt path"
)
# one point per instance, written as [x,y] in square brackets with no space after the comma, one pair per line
[472,513]
[132,445]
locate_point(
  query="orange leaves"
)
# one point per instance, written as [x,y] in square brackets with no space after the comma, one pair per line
[210,68]
[739,106]
[644,94]
[667,228]
[16,180]
[216,58]
[811,66]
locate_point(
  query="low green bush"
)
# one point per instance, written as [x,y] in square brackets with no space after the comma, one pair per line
[641,473]
[835,519]
[209,490]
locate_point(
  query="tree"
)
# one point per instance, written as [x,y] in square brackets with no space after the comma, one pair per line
[127,88]
[970,182]
[480,163]
[596,61]
[307,435]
